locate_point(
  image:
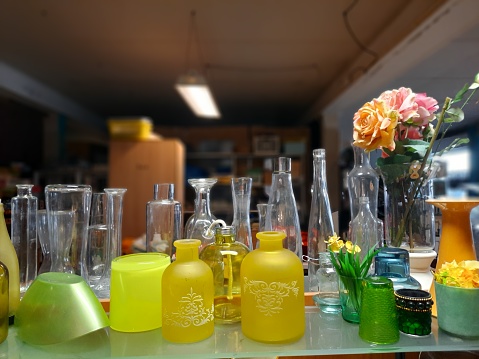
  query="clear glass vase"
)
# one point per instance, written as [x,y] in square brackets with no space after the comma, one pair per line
[164,220]
[284,214]
[114,237]
[241,191]
[197,225]
[350,297]
[408,218]
[24,233]
[363,181]
[320,226]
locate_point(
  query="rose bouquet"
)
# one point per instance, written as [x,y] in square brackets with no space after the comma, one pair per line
[464,274]
[407,129]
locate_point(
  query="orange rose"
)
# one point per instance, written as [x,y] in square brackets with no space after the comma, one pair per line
[375,126]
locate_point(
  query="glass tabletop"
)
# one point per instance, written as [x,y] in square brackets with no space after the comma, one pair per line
[325,334]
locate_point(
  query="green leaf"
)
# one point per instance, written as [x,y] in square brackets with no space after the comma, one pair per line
[456,143]
[460,94]
[455,115]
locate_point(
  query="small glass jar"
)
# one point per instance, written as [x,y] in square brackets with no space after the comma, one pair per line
[414,308]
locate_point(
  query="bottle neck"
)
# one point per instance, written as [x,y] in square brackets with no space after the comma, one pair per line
[202,203]
[187,254]
[361,158]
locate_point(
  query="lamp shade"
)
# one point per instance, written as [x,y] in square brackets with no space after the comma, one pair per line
[195,91]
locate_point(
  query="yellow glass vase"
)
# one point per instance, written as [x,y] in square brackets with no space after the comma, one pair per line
[8,256]
[272,292]
[187,293]
[224,257]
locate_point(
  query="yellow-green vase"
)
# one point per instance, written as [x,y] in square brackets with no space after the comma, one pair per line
[187,293]
[272,292]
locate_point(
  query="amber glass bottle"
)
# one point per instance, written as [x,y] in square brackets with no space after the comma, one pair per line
[187,294]
[272,292]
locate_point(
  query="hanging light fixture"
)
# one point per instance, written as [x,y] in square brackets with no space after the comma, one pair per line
[193,86]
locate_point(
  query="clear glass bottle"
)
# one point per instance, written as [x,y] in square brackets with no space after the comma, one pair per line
[187,293]
[241,191]
[44,241]
[284,214]
[320,226]
[197,225]
[114,237]
[4,318]
[366,230]
[363,181]
[8,256]
[272,292]
[164,220]
[24,234]
[224,257]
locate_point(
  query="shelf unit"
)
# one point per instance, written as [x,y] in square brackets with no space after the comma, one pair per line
[326,334]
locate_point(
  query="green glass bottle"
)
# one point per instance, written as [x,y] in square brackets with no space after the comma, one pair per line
[224,257]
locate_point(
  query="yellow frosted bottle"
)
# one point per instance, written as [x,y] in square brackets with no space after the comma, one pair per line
[272,292]
[8,256]
[187,293]
[3,302]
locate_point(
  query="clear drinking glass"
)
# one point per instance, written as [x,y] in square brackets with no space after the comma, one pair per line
[60,199]
[327,299]
[97,238]
[44,240]
[241,191]
[113,239]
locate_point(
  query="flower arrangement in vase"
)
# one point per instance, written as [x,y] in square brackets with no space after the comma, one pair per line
[352,267]
[405,127]
[457,297]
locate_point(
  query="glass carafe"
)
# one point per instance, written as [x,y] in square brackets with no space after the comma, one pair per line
[197,225]
[113,242]
[284,214]
[241,191]
[164,220]
[24,233]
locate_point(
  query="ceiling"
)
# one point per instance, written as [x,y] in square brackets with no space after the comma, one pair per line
[268,62]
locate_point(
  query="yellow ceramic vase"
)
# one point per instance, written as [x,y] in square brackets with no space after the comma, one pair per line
[187,293]
[272,292]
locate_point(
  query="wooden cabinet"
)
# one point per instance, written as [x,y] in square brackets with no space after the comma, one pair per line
[137,166]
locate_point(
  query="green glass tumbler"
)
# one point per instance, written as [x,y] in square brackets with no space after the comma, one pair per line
[378,316]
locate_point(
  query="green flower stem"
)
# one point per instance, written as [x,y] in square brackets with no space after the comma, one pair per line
[420,180]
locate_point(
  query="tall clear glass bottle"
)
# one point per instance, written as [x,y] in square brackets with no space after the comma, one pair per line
[8,256]
[224,257]
[114,237]
[363,181]
[284,214]
[164,220]
[197,225]
[187,293]
[24,234]
[241,190]
[366,230]
[320,225]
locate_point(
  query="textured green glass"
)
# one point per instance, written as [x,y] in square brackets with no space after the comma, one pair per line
[378,316]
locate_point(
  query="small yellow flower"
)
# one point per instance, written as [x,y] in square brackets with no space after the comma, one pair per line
[464,274]
[352,248]
[335,243]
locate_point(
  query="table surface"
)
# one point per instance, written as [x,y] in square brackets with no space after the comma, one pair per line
[325,334]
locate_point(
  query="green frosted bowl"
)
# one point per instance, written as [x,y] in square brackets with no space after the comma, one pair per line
[58,307]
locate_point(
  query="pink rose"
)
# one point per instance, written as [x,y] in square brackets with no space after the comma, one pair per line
[403,101]
[426,108]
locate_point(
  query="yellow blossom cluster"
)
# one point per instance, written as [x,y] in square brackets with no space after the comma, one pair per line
[335,243]
[464,274]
